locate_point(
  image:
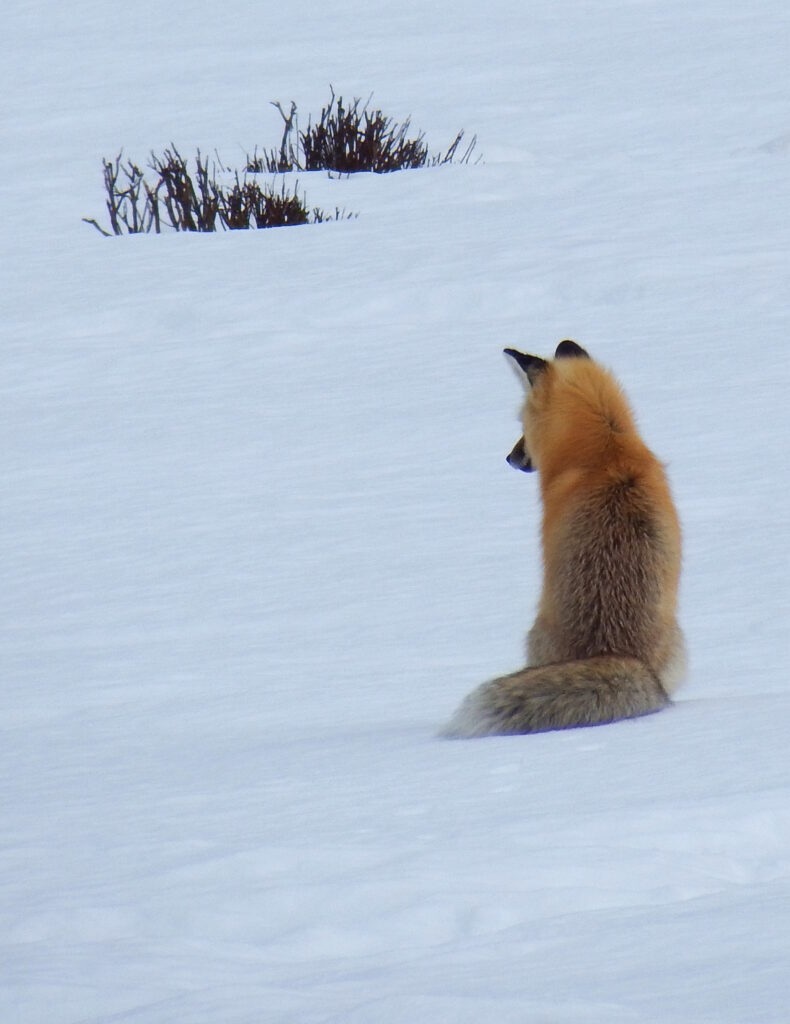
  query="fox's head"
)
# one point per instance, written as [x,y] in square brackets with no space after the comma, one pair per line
[531,370]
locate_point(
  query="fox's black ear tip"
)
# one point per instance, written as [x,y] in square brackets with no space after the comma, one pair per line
[529,365]
[570,350]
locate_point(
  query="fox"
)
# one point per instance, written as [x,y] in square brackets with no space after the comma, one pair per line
[605,644]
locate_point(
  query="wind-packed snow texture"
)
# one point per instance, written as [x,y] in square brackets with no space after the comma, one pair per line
[259,538]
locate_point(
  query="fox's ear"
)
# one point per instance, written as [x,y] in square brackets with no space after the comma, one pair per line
[570,350]
[529,367]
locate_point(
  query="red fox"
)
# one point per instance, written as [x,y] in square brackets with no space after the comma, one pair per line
[605,644]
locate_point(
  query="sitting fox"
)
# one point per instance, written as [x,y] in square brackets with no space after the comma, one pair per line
[605,644]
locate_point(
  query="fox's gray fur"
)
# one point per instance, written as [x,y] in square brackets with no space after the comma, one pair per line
[605,644]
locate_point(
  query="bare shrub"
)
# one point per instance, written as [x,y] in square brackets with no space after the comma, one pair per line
[180,201]
[352,137]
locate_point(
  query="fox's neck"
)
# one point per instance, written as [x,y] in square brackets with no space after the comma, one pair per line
[594,439]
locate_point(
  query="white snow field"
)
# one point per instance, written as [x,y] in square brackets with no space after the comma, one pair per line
[259,538]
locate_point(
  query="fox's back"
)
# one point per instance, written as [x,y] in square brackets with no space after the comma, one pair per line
[610,569]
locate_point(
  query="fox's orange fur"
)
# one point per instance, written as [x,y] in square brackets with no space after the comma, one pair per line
[605,644]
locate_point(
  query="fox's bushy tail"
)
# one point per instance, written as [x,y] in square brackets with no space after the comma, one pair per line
[564,695]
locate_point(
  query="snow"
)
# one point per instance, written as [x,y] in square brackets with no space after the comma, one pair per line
[259,538]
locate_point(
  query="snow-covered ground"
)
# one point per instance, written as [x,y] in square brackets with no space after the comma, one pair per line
[258,535]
